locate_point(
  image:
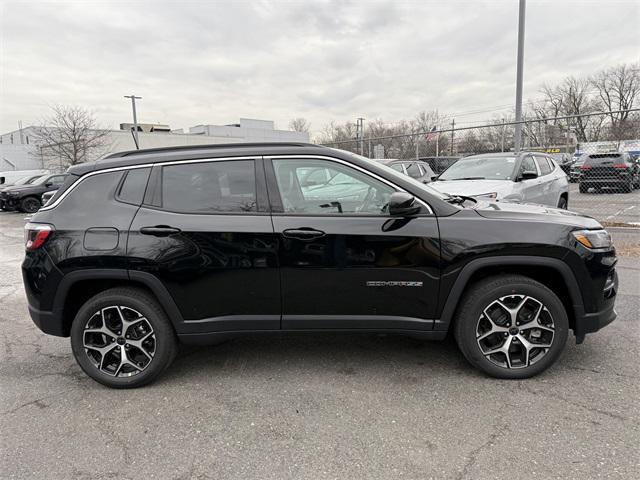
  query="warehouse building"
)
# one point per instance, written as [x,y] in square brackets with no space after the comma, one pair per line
[19,150]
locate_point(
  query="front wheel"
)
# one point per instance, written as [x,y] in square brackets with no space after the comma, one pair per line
[122,338]
[511,326]
[30,205]
[562,203]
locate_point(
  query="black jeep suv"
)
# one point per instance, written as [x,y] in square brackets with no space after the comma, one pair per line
[28,198]
[143,249]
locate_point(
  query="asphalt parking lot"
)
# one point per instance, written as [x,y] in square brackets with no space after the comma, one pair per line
[606,206]
[319,406]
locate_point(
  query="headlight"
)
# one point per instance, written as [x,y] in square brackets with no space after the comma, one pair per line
[593,238]
[488,195]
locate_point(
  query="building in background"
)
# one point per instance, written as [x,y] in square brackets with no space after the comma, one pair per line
[19,149]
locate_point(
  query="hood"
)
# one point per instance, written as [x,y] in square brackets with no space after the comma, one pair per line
[534,212]
[21,188]
[473,187]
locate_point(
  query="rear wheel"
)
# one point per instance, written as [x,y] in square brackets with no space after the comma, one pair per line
[511,326]
[627,187]
[122,338]
[30,205]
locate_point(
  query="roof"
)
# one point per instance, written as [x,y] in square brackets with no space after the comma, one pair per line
[185,152]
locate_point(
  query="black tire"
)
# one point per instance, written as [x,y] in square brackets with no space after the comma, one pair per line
[480,296]
[30,204]
[164,342]
[562,203]
[627,187]
[583,188]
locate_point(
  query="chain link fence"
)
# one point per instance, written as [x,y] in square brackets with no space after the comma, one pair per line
[598,152]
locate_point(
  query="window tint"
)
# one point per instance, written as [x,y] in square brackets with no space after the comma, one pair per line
[133,186]
[413,170]
[528,165]
[345,190]
[211,187]
[543,165]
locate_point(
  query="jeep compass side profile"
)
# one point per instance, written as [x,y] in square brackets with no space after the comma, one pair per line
[144,249]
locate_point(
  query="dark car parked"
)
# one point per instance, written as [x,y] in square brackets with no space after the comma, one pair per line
[28,198]
[196,244]
[415,169]
[609,170]
[564,160]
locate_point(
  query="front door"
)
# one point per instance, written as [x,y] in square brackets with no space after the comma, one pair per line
[206,234]
[531,188]
[344,262]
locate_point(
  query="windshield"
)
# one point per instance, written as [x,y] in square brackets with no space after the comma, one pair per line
[394,174]
[481,168]
[41,180]
[26,180]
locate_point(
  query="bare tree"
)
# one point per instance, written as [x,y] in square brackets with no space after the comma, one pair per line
[70,135]
[299,124]
[618,89]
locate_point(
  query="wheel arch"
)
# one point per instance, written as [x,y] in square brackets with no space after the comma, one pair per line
[78,287]
[543,269]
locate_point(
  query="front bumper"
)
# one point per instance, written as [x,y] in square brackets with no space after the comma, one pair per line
[592,322]
[8,203]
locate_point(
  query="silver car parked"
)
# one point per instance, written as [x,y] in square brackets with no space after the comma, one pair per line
[517,177]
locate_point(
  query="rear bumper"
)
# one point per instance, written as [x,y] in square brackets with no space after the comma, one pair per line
[47,322]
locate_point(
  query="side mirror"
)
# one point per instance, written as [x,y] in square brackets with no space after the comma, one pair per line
[402,204]
[48,184]
[528,175]
[434,177]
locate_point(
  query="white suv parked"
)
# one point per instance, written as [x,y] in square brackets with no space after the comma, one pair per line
[516,177]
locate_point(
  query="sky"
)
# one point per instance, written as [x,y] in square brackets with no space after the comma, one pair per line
[212,62]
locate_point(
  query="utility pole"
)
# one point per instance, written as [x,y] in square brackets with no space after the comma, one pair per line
[417,145]
[135,118]
[504,128]
[519,76]
[453,128]
[360,132]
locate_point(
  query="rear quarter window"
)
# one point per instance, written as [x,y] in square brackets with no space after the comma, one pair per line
[133,186]
[68,181]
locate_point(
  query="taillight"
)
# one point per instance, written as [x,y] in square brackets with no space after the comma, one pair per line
[35,234]
[620,165]
[585,167]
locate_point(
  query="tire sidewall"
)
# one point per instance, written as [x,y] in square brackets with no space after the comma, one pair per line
[541,293]
[164,338]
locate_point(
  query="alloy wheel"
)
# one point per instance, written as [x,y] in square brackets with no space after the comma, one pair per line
[515,331]
[119,341]
[31,205]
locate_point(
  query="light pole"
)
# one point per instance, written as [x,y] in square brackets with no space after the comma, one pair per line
[135,118]
[519,76]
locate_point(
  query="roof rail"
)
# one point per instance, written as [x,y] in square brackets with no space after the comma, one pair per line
[208,147]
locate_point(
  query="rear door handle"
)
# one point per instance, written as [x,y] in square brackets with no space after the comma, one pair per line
[303,233]
[159,230]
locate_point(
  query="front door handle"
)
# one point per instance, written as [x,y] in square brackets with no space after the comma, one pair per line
[159,230]
[303,233]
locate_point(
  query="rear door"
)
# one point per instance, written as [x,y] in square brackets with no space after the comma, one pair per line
[530,188]
[345,263]
[547,182]
[204,231]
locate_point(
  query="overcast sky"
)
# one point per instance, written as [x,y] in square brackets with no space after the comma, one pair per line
[214,62]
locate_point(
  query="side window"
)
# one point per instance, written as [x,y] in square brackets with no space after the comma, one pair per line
[543,165]
[57,180]
[210,187]
[398,167]
[528,165]
[134,185]
[413,170]
[345,190]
